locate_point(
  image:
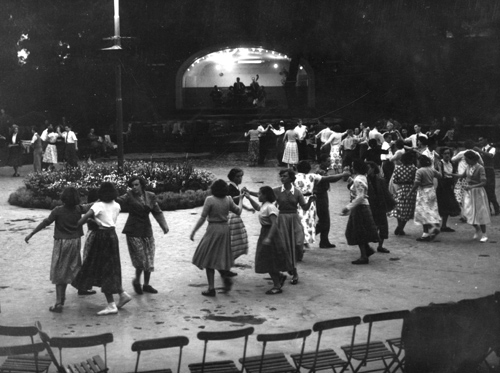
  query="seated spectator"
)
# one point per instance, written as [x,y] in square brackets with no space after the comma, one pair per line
[216,95]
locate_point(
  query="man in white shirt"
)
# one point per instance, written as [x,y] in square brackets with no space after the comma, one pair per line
[413,139]
[387,165]
[301,131]
[487,152]
[71,146]
[280,148]
[375,134]
[323,137]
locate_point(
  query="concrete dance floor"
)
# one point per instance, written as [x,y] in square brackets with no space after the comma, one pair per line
[452,268]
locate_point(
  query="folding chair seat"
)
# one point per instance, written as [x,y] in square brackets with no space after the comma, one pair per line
[326,358]
[157,344]
[19,361]
[374,351]
[396,345]
[222,366]
[95,364]
[276,362]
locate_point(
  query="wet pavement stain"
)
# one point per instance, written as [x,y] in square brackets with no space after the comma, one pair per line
[252,320]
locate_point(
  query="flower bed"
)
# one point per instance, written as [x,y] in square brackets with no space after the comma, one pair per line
[177,185]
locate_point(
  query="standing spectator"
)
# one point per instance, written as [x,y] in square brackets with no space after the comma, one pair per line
[487,152]
[263,143]
[322,201]
[15,145]
[102,265]
[404,177]
[36,144]
[140,240]
[291,153]
[347,148]
[288,198]
[381,203]
[447,204]
[66,261]
[301,131]
[261,99]
[214,250]
[253,146]
[475,206]
[426,208]
[361,228]
[334,142]
[239,91]
[271,256]
[280,143]
[237,230]
[254,89]
[50,155]
[71,146]
[216,95]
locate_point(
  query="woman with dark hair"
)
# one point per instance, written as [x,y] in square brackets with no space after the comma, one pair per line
[66,261]
[361,228]
[380,203]
[36,144]
[399,150]
[214,250]
[447,204]
[270,256]
[475,206]
[426,208]
[15,145]
[50,154]
[403,177]
[288,198]
[334,142]
[140,240]
[102,265]
[237,230]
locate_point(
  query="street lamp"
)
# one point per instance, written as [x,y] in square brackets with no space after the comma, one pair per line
[117,48]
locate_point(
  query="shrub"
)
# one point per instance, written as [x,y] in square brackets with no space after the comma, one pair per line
[178,185]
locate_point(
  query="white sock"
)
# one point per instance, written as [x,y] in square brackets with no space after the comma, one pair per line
[425,234]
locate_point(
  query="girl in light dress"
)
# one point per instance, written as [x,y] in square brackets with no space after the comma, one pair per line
[291,153]
[214,250]
[475,203]
[334,141]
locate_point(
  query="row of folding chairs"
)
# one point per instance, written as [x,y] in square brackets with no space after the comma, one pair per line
[388,355]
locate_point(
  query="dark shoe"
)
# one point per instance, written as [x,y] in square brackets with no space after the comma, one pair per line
[424,239]
[57,308]
[274,291]
[294,280]
[149,289]
[434,232]
[282,280]
[228,283]
[137,287]
[327,245]
[86,292]
[447,229]
[209,293]
[383,250]
[361,261]
[230,274]
[369,251]
[396,231]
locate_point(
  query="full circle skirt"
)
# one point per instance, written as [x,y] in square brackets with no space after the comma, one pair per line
[214,249]
[361,228]
[273,257]
[66,260]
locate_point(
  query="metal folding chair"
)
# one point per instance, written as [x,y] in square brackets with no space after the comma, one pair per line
[157,344]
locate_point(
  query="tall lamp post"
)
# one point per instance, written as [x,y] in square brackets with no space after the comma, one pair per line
[117,48]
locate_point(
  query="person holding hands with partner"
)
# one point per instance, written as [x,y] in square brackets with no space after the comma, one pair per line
[214,250]
[140,240]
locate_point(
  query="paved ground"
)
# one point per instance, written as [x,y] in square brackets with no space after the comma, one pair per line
[413,274]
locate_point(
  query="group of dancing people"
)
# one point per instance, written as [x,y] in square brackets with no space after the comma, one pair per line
[290,216]
[100,265]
